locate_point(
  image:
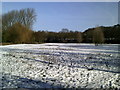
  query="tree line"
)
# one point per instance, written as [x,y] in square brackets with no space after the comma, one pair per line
[102,34]
[17,28]
[58,37]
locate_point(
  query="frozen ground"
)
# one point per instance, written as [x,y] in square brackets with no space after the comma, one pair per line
[59,65]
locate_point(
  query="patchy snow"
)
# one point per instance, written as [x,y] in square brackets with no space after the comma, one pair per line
[60,65]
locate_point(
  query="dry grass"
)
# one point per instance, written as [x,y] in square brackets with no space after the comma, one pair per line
[5,43]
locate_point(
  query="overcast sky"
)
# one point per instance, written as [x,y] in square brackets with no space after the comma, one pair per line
[53,16]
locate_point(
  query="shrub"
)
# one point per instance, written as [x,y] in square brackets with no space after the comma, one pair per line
[18,34]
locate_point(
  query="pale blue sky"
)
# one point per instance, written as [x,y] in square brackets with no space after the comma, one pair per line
[53,16]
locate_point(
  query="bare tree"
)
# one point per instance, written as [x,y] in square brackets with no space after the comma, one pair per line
[79,37]
[65,30]
[0,29]
[25,17]
[98,36]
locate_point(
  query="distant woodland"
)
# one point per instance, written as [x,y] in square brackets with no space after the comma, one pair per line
[17,28]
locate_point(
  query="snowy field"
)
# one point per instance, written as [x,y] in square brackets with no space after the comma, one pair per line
[60,65]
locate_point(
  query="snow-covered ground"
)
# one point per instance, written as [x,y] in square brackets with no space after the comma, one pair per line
[60,65]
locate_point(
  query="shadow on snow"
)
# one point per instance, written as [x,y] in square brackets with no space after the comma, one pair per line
[20,82]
